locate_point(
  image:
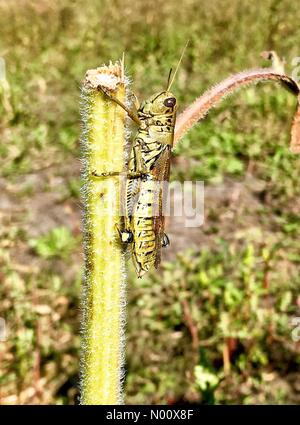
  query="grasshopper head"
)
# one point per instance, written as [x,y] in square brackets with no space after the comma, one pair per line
[163,103]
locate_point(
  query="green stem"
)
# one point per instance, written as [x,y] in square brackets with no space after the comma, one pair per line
[104,280]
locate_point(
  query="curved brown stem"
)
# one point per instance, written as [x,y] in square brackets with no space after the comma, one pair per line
[200,107]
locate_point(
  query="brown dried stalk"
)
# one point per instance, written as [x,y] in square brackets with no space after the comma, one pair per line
[200,107]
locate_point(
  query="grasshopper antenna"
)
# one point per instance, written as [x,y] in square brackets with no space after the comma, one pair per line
[177,67]
[123,66]
[169,77]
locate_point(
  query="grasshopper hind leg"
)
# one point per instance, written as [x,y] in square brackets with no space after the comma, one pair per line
[130,174]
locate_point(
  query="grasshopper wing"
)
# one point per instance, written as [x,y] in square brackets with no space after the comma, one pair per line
[161,173]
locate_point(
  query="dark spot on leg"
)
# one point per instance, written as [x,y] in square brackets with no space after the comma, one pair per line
[165,241]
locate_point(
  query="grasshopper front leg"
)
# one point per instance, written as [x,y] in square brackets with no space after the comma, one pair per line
[130,174]
[132,113]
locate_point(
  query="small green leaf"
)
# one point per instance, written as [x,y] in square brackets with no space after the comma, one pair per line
[59,242]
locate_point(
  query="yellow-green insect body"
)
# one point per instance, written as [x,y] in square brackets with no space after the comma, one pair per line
[147,173]
[150,156]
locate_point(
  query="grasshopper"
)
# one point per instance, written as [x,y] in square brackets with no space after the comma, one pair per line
[148,169]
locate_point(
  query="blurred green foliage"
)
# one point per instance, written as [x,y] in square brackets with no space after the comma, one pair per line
[213,325]
[59,242]
[225,294]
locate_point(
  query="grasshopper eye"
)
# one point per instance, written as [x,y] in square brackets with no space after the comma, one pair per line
[170,102]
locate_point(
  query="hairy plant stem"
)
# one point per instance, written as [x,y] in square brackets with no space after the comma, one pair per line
[103,144]
[201,106]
